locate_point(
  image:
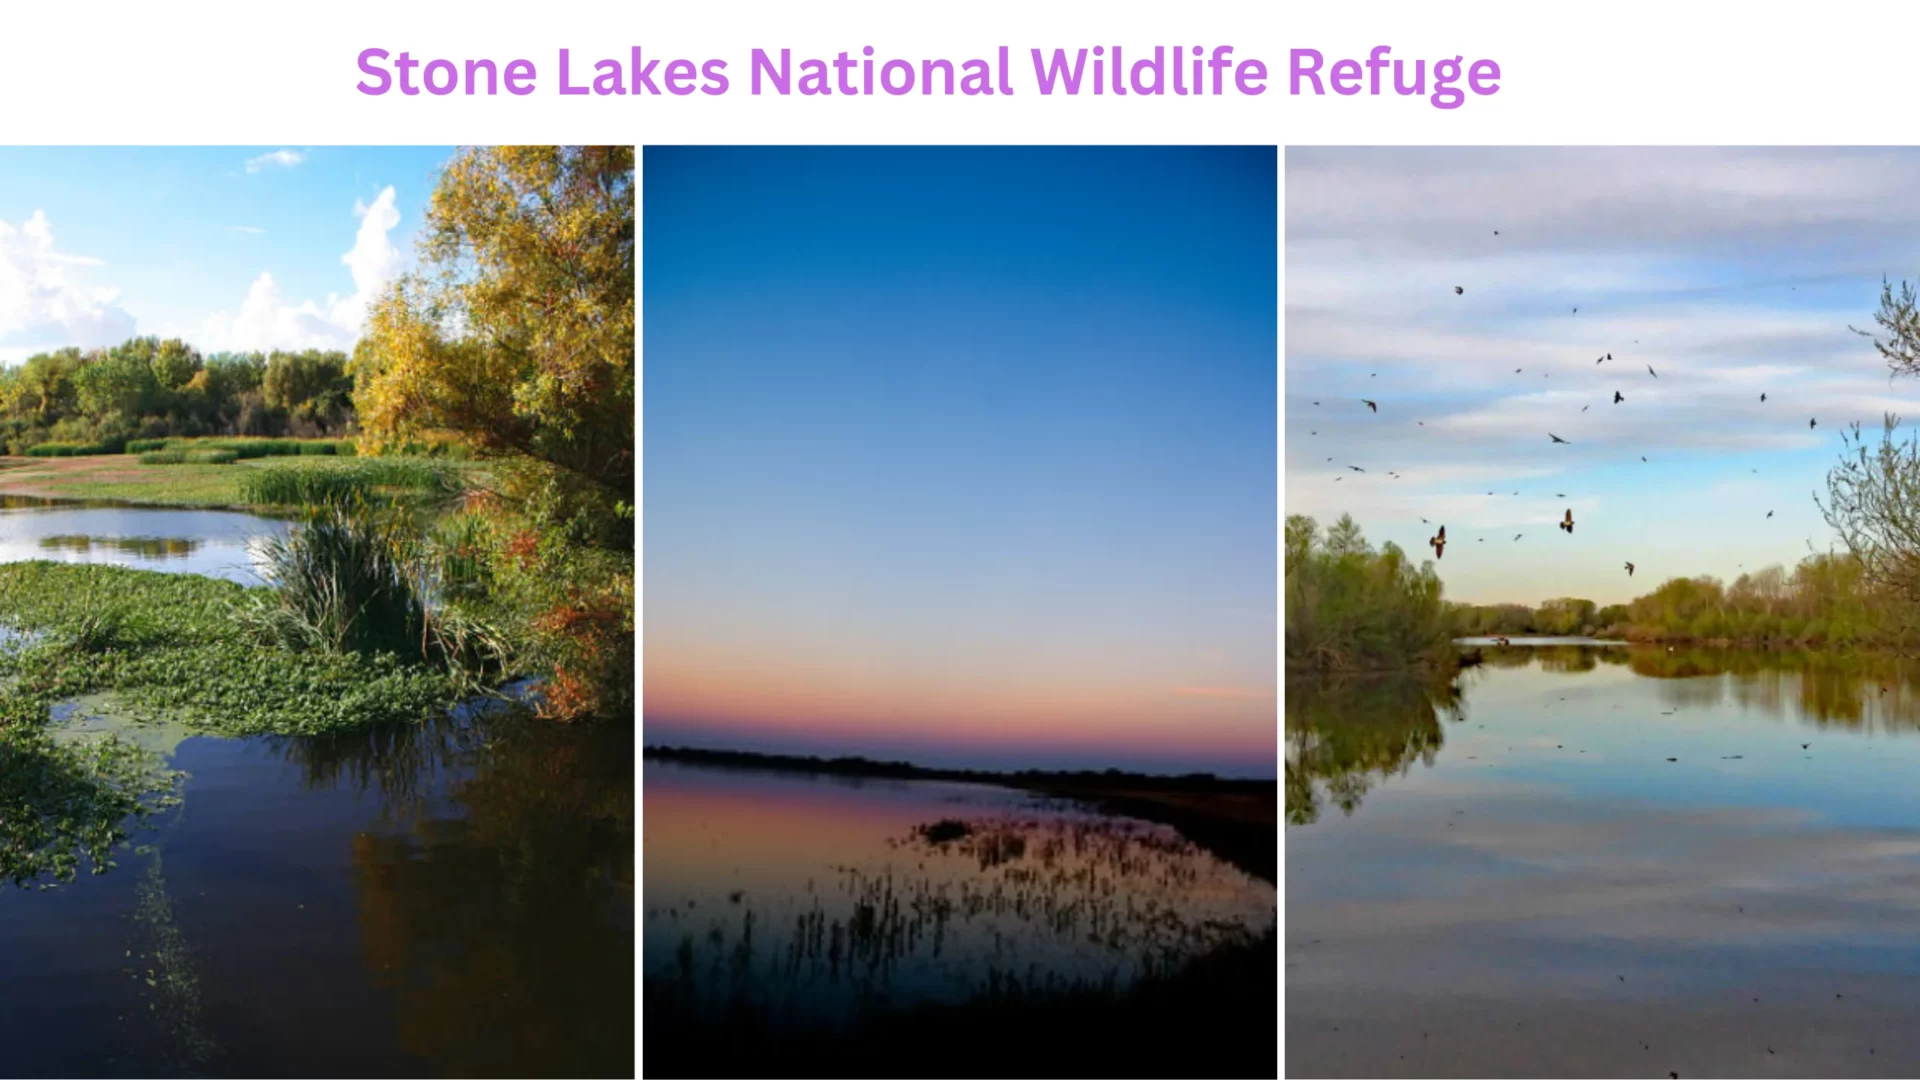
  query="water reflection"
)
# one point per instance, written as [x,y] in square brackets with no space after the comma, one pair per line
[146,547]
[1344,736]
[455,897]
[496,893]
[216,543]
[811,902]
[1640,859]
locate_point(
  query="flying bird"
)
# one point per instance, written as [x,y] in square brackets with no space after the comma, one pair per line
[1629,569]
[1557,438]
[1457,290]
[1439,542]
[1602,360]
[1609,356]
[1568,523]
[1769,513]
[1517,536]
[1559,494]
[1576,311]
[1811,423]
[1356,468]
[1652,372]
[1370,405]
[1763,396]
[1618,397]
[1496,232]
[1584,408]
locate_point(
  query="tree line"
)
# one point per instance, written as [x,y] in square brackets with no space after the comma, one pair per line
[149,388]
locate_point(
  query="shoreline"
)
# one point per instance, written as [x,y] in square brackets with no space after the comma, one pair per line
[1236,820]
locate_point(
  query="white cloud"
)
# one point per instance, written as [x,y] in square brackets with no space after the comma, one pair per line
[267,319]
[374,261]
[44,302]
[285,159]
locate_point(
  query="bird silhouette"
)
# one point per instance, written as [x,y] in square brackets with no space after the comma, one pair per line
[1567,524]
[1439,542]
[1618,397]
[1457,290]
[1424,521]
[1609,356]
[1584,408]
[1812,423]
[1643,457]
[1763,395]
[1496,232]
[1769,513]
[1370,405]
[1516,371]
[1356,468]
[1557,438]
[1652,372]
[1576,311]
[1629,569]
[1517,536]
[1559,494]
[1602,360]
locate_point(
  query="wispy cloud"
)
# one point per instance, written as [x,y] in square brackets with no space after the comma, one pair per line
[1227,693]
[285,159]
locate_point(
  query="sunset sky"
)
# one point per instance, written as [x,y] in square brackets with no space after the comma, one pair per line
[1732,272]
[962,455]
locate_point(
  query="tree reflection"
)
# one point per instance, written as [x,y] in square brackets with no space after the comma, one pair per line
[1344,736]
[1871,691]
[497,906]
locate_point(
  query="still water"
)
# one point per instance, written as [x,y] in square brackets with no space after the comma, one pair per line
[814,900]
[215,543]
[1607,861]
[450,898]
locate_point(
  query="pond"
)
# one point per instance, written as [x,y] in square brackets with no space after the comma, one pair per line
[446,898]
[817,902]
[214,543]
[1606,861]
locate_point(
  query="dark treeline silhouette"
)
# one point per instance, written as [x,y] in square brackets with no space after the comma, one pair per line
[901,770]
[148,388]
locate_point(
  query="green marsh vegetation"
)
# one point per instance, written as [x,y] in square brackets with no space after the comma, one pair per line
[479,532]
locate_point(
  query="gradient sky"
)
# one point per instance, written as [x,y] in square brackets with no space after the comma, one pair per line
[227,247]
[1731,271]
[963,454]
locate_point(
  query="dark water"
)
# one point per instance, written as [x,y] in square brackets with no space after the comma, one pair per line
[216,543]
[1607,861]
[813,901]
[453,898]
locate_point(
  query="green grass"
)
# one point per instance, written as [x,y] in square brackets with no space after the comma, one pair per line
[183,484]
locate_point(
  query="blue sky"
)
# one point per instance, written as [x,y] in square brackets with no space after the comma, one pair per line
[959,448]
[1732,272]
[227,247]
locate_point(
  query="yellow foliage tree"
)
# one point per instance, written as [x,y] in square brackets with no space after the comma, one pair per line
[517,335]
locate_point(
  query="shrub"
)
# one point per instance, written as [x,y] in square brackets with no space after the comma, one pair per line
[68,449]
[141,446]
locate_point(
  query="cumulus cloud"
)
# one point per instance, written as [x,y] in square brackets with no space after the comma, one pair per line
[44,299]
[267,319]
[283,159]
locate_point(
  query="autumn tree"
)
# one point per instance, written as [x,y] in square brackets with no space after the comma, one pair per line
[517,334]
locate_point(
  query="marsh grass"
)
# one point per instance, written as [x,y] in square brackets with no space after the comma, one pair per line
[365,479]
[189,457]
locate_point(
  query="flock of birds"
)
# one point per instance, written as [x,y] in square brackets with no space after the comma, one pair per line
[1438,542]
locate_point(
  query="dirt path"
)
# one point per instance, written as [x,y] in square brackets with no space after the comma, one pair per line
[29,476]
